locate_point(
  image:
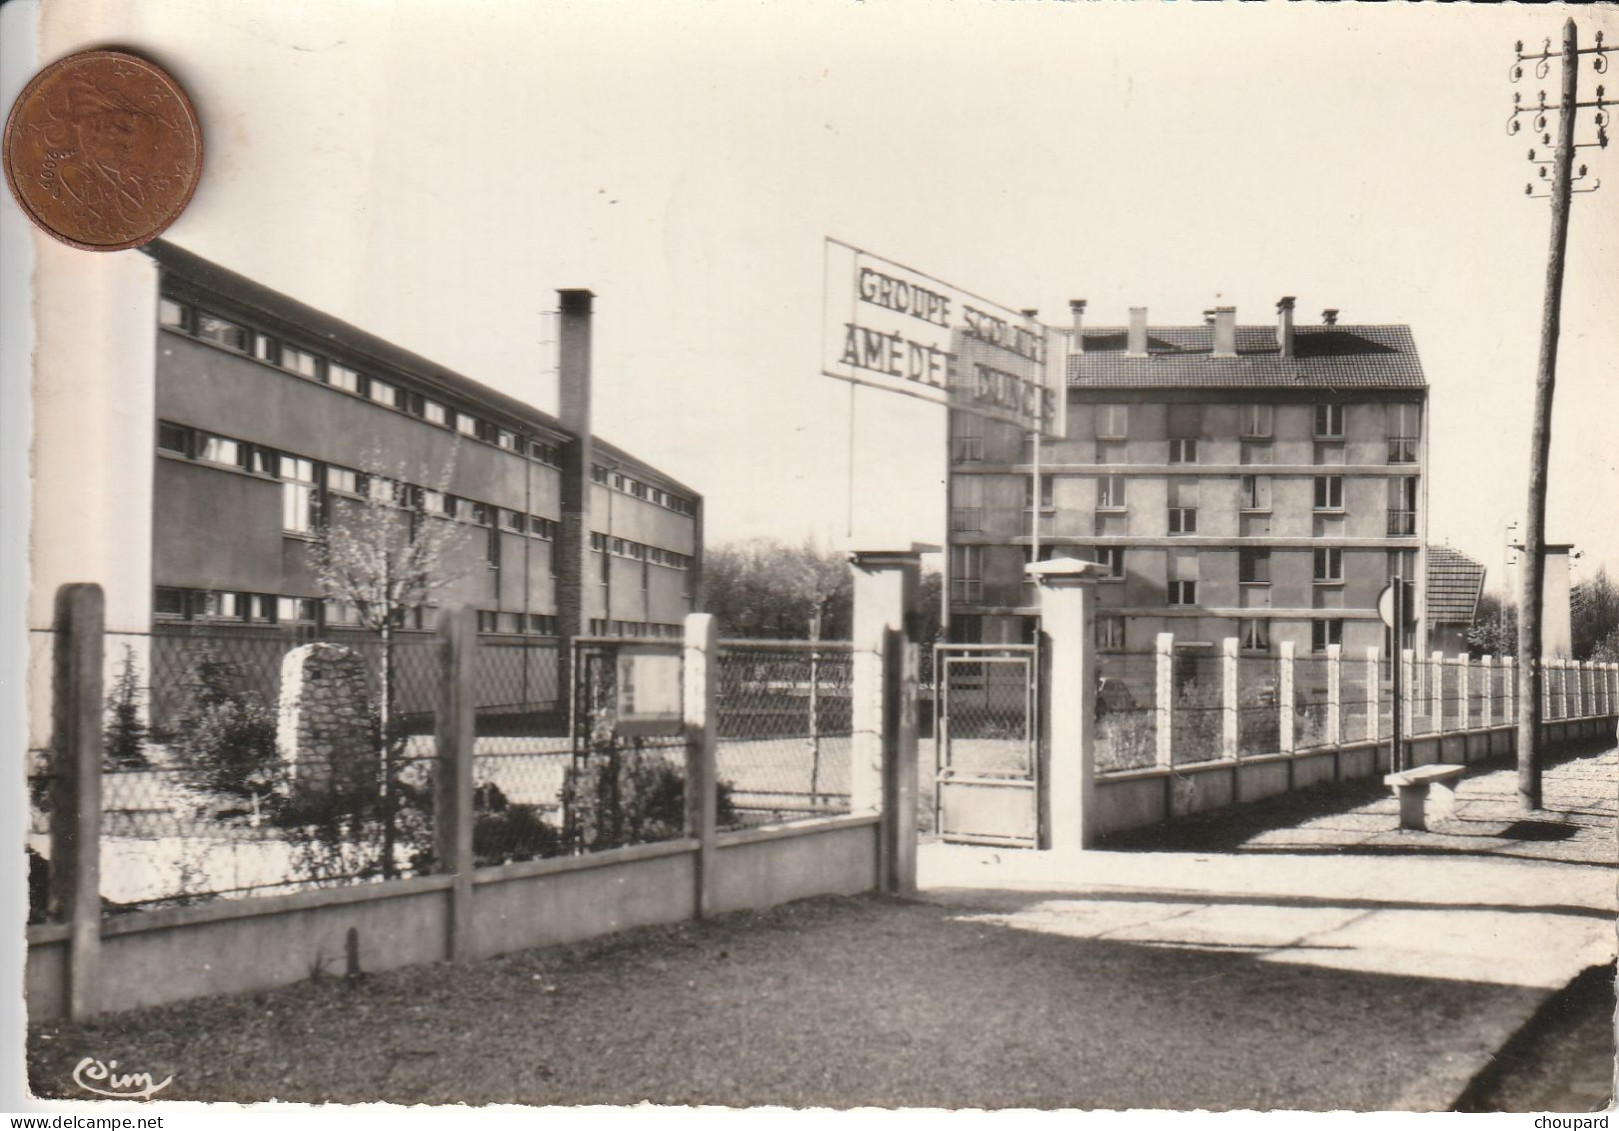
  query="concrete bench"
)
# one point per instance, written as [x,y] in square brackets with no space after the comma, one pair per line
[1414,787]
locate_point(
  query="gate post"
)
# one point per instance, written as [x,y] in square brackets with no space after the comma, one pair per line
[1067,588]
[75,867]
[882,765]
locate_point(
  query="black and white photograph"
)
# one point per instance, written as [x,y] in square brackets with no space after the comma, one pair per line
[881,559]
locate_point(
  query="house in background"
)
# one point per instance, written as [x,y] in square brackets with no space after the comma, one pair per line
[1455,583]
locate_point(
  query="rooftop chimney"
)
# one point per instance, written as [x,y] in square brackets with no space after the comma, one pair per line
[572,550]
[1284,325]
[1225,331]
[1136,344]
[1076,307]
[1329,316]
[1030,312]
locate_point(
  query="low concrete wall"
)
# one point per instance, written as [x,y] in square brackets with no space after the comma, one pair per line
[764,867]
[579,897]
[1133,799]
[240,946]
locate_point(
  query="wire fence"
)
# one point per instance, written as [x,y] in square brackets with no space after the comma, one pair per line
[217,784]
[1197,708]
[786,725]
[1126,711]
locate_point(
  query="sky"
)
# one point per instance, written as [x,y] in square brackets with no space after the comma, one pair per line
[434,171]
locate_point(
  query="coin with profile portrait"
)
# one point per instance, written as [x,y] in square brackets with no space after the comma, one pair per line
[103,150]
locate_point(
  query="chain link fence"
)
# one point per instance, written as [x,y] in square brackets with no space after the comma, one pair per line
[1126,711]
[1197,707]
[215,784]
[786,724]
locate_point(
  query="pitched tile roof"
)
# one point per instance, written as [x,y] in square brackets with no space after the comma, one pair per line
[1454,584]
[1324,357]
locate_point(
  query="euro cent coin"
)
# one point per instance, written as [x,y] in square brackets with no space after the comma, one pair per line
[103,150]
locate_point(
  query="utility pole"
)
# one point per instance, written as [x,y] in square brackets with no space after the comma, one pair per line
[1562,178]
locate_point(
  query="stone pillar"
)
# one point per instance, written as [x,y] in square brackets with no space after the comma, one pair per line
[1164,690]
[885,592]
[1286,740]
[1228,698]
[1374,698]
[1335,687]
[1067,589]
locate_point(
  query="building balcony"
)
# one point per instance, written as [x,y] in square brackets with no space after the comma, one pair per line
[966,518]
[1402,449]
[1402,523]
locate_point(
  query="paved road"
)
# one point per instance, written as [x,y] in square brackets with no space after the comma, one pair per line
[1328,882]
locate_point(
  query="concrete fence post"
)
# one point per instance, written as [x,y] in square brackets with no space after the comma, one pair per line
[1374,698]
[1335,686]
[1408,692]
[1067,590]
[1579,690]
[1462,687]
[1508,690]
[1486,677]
[455,737]
[882,771]
[1164,691]
[76,752]
[699,690]
[1436,692]
[1228,697]
[1286,741]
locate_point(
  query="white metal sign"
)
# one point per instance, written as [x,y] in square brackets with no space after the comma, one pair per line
[895,328]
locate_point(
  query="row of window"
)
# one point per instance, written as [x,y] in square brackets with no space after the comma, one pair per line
[535,624]
[1185,426]
[624,548]
[1254,494]
[1253,634]
[305,481]
[170,603]
[603,627]
[223,332]
[632,486]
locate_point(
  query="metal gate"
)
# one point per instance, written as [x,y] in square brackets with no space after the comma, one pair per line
[987,745]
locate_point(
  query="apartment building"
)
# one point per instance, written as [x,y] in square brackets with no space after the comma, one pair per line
[1262,482]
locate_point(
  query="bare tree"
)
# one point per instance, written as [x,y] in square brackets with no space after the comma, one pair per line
[384,554]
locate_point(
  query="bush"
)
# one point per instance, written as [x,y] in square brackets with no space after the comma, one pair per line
[624,796]
[225,737]
[515,832]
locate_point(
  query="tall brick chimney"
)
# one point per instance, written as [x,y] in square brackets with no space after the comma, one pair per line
[1076,308]
[1225,331]
[1284,325]
[573,532]
[1136,343]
